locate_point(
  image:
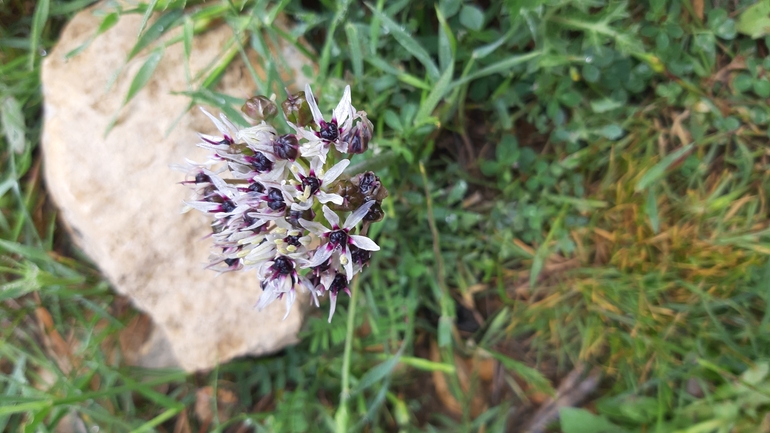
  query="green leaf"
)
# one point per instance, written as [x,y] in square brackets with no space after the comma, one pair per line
[591,73]
[435,96]
[145,72]
[146,17]
[574,420]
[447,45]
[507,151]
[12,120]
[107,23]
[326,51]
[472,17]
[408,42]
[376,374]
[356,58]
[762,88]
[612,132]
[444,331]
[163,24]
[604,105]
[659,170]
[527,373]
[393,121]
[426,365]
[504,65]
[38,22]
[755,20]
[652,210]
[756,374]
[571,99]
[187,36]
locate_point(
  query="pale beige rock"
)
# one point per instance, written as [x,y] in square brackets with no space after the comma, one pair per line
[123,203]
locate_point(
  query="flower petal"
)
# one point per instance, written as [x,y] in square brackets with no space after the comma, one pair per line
[344,109]
[220,126]
[364,243]
[332,217]
[322,254]
[348,259]
[356,217]
[317,229]
[326,198]
[313,105]
[290,297]
[297,169]
[302,206]
[316,165]
[334,172]
[266,298]
[332,305]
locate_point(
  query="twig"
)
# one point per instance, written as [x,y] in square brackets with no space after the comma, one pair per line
[572,391]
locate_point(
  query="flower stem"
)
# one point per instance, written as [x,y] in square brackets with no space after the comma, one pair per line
[341,417]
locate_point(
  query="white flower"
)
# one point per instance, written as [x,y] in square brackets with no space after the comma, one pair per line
[278,278]
[339,238]
[329,132]
[315,183]
[225,126]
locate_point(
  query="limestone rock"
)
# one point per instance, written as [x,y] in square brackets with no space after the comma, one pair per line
[122,202]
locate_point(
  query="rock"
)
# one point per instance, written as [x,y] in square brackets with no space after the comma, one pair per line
[122,202]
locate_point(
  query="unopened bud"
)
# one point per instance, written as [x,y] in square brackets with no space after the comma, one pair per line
[369,186]
[352,199]
[286,147]
[260,108]
[375,214]
[357,139]
[297,110]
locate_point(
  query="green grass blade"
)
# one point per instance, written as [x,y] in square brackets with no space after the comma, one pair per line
[376,374]
[658,171]
[354,43]
[529,374]
[434,97]
[146,17]
[107,23]
[144,74]
[326,51]
[38,23]
[447,44]
[187,32]
[500,66]
[158,420]
[162,25]
[12,119]
[409,43]
[24,407]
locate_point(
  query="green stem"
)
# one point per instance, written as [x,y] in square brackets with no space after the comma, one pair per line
[342,417]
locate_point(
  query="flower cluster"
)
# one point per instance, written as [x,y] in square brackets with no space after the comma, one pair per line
[267,191]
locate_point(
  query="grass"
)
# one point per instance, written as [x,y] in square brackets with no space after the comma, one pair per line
[572,184]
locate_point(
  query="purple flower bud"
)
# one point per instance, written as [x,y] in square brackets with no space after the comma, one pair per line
[359,136]
[260,163]
[375,214]
[201,177]
[260,108]
[286,147]
[369,186]
[275,199]
[329,131]
[297,110]
[255,186]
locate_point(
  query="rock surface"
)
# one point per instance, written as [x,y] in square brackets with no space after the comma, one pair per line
[122,202]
